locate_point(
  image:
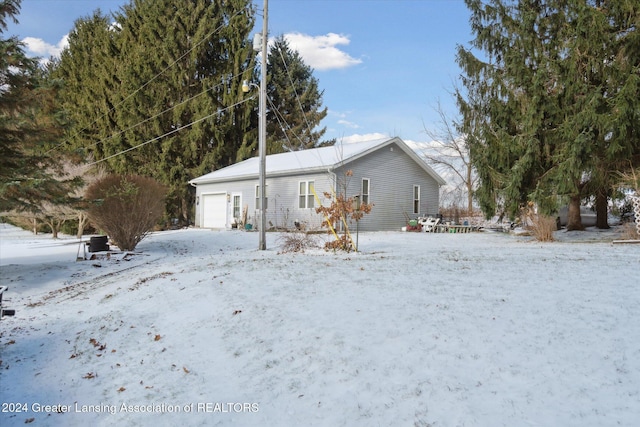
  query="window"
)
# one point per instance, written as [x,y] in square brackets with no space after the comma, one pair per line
[236,207]
[305,194]
[416,199]
[266,196]
[365,190]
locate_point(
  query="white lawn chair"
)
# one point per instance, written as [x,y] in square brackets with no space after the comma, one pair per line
[429,224]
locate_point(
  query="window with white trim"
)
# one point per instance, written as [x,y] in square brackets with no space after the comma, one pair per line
[236,207]
[366,187]
[305,194]
[416,199]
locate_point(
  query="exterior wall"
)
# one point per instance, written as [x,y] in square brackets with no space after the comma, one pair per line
[392,174]
[282,200]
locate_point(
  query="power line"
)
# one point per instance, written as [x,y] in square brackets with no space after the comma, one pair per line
[294,90]
[169,133]
[205,38]
[153,117]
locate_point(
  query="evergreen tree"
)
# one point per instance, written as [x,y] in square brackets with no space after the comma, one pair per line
[294,101]
[27,125]
[510,100]
[540,106]
[166,86]
[87,69]
[209,41]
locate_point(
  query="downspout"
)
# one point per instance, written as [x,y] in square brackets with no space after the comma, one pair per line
[196,213]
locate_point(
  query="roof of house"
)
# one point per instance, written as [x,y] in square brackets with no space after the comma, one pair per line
[307,161]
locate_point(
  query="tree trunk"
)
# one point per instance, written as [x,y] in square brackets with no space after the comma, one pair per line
[55,225]
[574,221]
[602,209]
[82,222]
[469,191]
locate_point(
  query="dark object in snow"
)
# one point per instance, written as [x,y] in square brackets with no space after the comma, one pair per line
[5,311]
[98,244]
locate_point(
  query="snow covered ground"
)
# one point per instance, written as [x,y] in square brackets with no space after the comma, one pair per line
[201,328]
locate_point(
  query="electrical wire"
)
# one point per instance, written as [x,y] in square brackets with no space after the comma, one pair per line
[169,133]
[152,117]
[204,39]
[295,91]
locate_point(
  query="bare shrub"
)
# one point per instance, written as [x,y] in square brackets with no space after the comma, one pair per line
[125,207]
[342,210]
[296,242]
[629,231]
[541,226]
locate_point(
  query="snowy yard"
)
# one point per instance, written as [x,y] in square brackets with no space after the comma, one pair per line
[201,328]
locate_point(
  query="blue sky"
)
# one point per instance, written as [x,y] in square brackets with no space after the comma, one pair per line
[383,64]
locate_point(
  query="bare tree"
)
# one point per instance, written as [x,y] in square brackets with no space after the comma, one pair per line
[54,212]
[89,175]
[448,150]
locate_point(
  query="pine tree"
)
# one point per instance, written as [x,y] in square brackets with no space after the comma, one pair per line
[27,125]
[540,106]
[202,50]
[294,101]
[510,100]
[165,83]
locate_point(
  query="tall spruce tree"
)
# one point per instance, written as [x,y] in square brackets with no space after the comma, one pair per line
[509,100]
[539,102]
[87,69]
[294,101]
[166,87]
[27,125]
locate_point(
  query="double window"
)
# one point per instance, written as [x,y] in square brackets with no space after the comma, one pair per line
[305,194]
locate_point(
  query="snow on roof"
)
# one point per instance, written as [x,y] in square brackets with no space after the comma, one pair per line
[303,161]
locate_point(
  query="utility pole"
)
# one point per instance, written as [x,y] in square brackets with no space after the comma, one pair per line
[262,139]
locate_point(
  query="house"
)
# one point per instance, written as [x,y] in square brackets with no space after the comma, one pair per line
[387,173]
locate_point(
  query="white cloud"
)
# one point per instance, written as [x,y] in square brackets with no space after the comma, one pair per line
[321,52]
[348,124]
[362,137]
[41,48]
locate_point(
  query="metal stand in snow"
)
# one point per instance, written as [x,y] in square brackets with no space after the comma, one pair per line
[95,244]
[5,311]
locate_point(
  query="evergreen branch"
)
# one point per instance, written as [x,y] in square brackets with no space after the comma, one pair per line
[170,132]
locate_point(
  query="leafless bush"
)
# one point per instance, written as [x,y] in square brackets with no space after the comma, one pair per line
[342,210]
[629,231]
[125,207]
[297,242]
[540,226]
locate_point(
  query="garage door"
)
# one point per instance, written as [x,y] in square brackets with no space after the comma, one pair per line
[214,211]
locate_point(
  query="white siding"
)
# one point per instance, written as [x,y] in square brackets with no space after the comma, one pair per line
[282,200]
[392,175]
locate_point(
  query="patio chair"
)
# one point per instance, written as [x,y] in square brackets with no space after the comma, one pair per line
[429,224]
